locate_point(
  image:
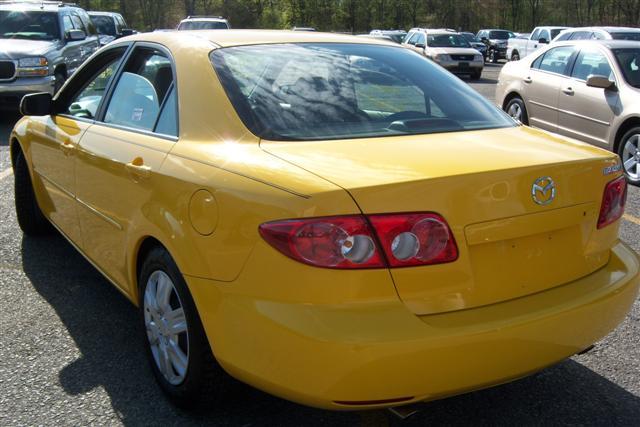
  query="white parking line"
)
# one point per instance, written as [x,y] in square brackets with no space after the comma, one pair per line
[5,173]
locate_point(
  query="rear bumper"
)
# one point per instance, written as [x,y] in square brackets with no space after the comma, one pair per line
[341,356]
[11,93]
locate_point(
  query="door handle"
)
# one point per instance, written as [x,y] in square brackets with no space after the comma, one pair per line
[137,169]
[67,149]
[568,91]
[527,80]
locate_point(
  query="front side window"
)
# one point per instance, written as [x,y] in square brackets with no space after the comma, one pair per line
[77,23]
[629,63]
[68,24]
[421,39]
[536,35]
[544,34]
[140,90]
[591,62]
[555,60]
[413,39]
[312,91]
[29,25]
[87,98]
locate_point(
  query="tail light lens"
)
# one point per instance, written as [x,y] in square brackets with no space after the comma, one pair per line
[613,201]
[334,242]
[349,242]
[415,239]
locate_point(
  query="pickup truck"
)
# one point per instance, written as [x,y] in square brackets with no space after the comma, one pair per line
[520,47]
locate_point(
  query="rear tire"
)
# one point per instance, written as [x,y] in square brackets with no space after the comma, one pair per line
[184,375]
[517,110]
[60,79]
[31,220]
[493,56]
[476,75]
[515,56]
[629,152]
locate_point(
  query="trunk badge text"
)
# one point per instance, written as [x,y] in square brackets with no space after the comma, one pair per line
[543,190]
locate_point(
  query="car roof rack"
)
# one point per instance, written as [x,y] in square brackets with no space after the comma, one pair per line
[204,16]
[42,3]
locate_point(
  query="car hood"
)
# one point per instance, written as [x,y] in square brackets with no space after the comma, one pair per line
[451,50]
[18,48]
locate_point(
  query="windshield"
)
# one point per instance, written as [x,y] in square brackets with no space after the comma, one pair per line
[312,91]
[471,38]
[626,36]
[500,35]
[203,25]
[32,25]
[629,62]
[104,24]
[447,40]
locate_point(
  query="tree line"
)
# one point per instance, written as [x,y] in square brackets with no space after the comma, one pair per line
[360,16]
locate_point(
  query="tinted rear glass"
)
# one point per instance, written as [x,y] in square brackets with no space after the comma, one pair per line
[335,91]
[203,25]
[555,32]
[626,36]
[104,24]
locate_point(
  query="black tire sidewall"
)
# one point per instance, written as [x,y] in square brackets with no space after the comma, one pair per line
[31,220]
[185,394]
[633,131]
[60,80]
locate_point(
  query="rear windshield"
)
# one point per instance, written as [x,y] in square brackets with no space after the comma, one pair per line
[629,62]
[336,91]
[203,25]
[555,32]
[447,40]
[500,35]
[626,36]
[31,25]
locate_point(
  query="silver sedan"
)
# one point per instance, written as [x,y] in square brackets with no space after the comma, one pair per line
[588,90]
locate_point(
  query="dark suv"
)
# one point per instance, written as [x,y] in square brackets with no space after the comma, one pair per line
[41,44]
[110,26]
[496,42]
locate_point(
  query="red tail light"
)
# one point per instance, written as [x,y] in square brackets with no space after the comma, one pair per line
[348,241]
[613,201]
[415,239]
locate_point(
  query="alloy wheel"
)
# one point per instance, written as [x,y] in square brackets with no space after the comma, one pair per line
[515,111]
[166,327]
[631,156]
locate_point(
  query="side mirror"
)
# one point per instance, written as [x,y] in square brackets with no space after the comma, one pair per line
[542,40]
[76,35]
[420,45]
[127,32]
[601,82]
[36,104]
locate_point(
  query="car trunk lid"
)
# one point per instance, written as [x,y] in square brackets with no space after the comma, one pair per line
[481,182]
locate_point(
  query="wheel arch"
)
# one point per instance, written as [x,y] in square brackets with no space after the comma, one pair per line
[142,249]
[509,97]
[61,68]
[624,128]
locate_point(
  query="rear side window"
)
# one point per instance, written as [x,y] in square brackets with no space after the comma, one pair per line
[626,36]
[555,60]
[311,91]
[141,90]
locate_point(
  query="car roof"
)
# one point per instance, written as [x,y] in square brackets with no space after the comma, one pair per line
[48,6]
[102,13]
[228,38]
[610,44]
[605,29]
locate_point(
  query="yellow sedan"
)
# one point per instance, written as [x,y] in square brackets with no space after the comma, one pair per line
[338,221]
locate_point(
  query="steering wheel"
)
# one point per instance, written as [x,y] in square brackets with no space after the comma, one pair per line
[405,115]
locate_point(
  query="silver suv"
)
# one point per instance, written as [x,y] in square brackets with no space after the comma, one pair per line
[203,23]
[448,49]
[41,44]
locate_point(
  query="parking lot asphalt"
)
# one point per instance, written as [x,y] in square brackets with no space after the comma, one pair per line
[71,353]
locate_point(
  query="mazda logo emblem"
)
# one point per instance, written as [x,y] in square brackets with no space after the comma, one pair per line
[543,190]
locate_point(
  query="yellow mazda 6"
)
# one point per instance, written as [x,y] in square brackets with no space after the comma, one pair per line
[337,221]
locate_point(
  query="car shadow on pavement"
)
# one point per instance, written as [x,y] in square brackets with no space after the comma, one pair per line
[104,326]
[7,120]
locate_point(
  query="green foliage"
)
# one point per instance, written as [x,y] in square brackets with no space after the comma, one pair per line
[359,16]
